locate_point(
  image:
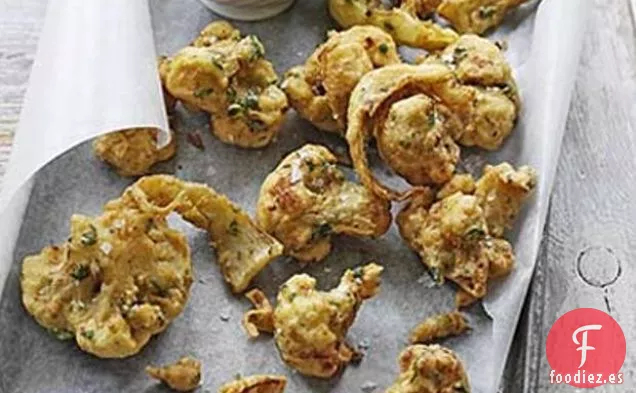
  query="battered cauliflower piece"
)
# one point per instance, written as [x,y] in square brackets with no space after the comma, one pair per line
[459,235]
[123,276]
[242,249]
[183,376]
[310,325]
[476,16]
[416,140]
[439,326]
[227,76]
[132,152]
[261,318]
[404,21]
[479,65]
[430,369]
[306,200]
[319,90]
[501,190]
[256,384]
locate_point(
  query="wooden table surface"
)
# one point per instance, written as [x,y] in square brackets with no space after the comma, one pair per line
[590,236]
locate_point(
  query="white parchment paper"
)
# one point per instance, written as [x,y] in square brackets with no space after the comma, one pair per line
[95,72]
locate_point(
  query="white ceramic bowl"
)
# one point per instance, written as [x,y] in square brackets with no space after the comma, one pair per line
[248,9]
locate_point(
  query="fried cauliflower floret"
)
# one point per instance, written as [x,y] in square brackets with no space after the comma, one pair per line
[479,65]
[227,76]
[123,276]
[319,90]
[416,140]
[439,326]
[404,21]
[120,278]
[242,249]
[430,369]
[132,152]
[476,16]
[501,190]
[183,376]
[452,239]
[306,200]
[256,384]
[310,325]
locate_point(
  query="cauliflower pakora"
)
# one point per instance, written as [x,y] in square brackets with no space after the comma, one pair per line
[256,384]
[227,75]
[439,326]
[132,152]
[430,369]
[319,90]
[123,276]
[476,16]
[310,325]
[416,113]
[306,200]
[453,235]
[183,376]
[404,21]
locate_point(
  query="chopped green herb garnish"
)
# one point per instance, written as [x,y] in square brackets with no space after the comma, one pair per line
[89,334]
[250,101]
[61,334]
[203,92]
[475,233]
[90,237]
[358,273]
[459,54]
[217,64]
[432,119]
[256,124]
[384,48]
[233,229]
[234,109]
[257,48]
[80,272]
[321,231]
[487,11]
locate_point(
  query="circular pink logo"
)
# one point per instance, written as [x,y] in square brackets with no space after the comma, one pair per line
[586,348]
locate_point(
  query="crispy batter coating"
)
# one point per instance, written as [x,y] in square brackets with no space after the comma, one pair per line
[453,235]
[320,89]
[466,93]
[182,376]
[227,75]
[123,276]
[256,384]
[404,21]
[476,16]
[416,140]
[479,65]
[306,200]
[242,249]
[501,191]
[132,152]
[439,326]
[261,318]
[430,369]
[311,325]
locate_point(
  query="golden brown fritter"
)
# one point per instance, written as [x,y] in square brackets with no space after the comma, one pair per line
[482,70]
[501,190]
[404,21]
[439,326]
[182,376]
[430,369]
[306,200]
[227,76]
[453,234]
[476,16]
[123,276]
[416,140]
[132,152]
[310,325]
[261,318]
[256,384]
[319,90]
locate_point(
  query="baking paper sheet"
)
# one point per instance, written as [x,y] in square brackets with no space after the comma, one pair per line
[543,48]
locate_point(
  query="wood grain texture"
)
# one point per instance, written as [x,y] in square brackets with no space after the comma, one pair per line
[591,223]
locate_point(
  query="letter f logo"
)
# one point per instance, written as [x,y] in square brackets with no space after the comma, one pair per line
[583,344]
